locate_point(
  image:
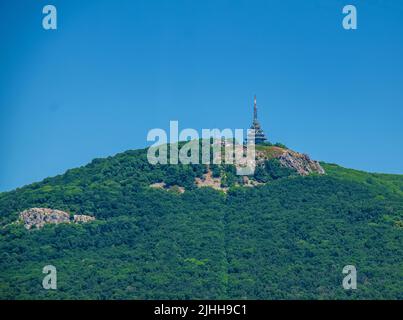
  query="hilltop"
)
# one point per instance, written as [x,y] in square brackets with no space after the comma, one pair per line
[159,233]
[272,162]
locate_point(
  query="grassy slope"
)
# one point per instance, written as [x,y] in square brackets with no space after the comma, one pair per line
[391,182]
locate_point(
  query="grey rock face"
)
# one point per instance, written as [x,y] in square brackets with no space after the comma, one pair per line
[38,217]
[300,162]
[82,218]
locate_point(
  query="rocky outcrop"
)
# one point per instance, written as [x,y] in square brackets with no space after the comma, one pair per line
[209,181]
[158,185]
[302,163]
[163,186]
[38,217]
[82,218]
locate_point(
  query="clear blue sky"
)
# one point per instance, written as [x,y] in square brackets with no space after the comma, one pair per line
[115,69]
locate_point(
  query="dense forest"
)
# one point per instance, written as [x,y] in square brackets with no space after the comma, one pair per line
[287,238]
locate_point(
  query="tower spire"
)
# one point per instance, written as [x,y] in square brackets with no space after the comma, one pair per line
[254,109]
[259,136]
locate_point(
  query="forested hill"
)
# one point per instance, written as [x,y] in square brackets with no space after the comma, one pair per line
[287,237]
